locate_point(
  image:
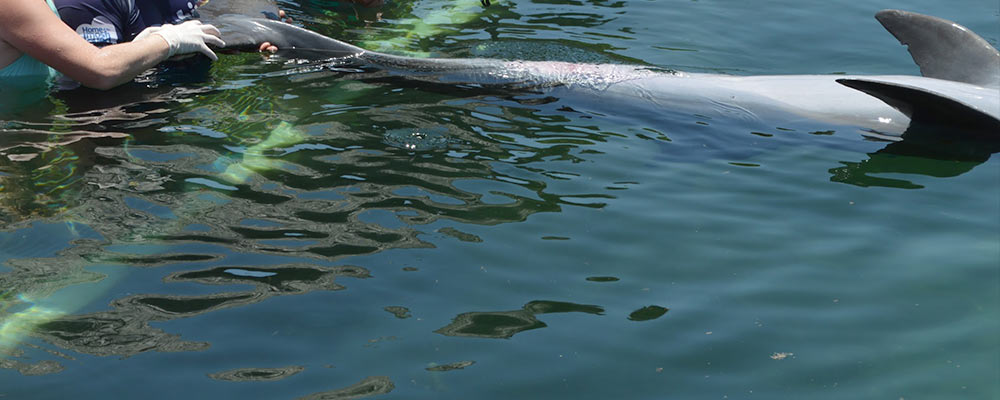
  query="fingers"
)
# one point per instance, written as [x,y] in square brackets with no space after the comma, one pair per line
[268,47]
[208,52]
[212,36]
[191,37]
[206,28]
[215,41]
[211,30]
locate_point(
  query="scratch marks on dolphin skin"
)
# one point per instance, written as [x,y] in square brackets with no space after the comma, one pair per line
[514,74]
[584,76]
[734,111]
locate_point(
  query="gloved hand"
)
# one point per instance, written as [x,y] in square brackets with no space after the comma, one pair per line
[188,37]
[145,33]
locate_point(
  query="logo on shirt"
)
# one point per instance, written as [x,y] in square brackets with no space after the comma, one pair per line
[183,15]
[99,30]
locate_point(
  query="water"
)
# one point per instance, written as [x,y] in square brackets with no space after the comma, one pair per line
[280,231]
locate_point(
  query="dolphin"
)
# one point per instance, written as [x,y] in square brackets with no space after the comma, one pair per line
[959,88]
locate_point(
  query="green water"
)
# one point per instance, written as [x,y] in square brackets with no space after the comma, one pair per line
[277,230]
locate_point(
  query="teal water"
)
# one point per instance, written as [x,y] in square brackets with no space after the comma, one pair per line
[278,230]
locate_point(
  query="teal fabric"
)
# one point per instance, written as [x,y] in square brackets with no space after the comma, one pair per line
[27,70]
[24,82]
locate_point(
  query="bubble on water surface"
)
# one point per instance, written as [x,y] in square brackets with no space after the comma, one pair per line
[418,139]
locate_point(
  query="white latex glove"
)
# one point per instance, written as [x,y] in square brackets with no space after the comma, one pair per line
[188,37]
[145,33]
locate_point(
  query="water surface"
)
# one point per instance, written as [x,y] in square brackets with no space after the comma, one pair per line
[265,228]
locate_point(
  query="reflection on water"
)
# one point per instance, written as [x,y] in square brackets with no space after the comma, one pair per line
[282,279]
[647,313]
[450,367]
[505,324]
[370,386]
[43,367]
[256,374]
[124,330]
[227,168]
[932,151]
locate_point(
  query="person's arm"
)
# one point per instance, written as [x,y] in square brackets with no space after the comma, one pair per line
[30,26]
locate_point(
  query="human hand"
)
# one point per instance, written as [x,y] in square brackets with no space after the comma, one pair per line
[189,37]
[267,46]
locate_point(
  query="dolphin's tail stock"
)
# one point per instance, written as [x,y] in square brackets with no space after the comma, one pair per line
[947,51]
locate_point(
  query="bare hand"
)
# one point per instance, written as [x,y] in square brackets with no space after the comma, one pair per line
[267,46]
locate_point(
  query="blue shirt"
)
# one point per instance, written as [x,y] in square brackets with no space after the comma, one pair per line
[105,22]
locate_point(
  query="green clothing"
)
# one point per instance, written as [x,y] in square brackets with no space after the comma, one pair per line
[26,70]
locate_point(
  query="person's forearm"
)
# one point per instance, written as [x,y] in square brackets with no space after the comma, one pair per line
[116,64]
[32,28]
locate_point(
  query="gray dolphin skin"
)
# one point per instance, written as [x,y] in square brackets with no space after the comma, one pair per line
[959,89]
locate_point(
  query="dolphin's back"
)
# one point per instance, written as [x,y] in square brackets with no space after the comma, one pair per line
[244,33]
[922,99]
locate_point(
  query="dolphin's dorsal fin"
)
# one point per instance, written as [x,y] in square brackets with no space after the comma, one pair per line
[966,111]
[944,49]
